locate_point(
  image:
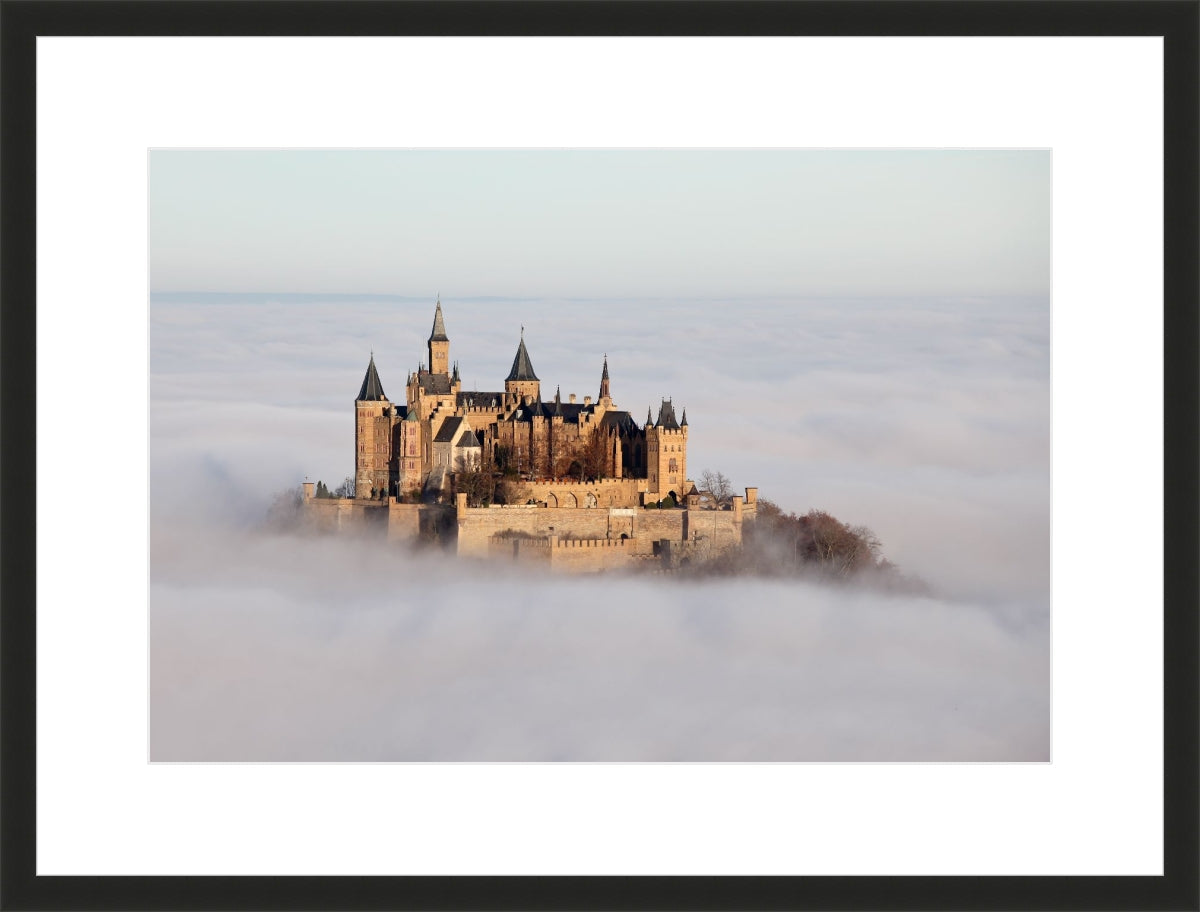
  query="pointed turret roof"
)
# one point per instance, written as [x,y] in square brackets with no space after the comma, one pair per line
[683,423]
[522,368]
[666,416]
[439,325]
[372,389]
[604,373]
[558,409]
[649,420]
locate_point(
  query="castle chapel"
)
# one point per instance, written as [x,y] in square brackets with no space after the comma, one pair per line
[414,451]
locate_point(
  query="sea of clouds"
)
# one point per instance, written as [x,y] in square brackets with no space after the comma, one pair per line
[927,420]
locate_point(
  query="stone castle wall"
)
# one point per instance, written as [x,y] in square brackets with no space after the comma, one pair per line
[568,539]
[345,514]
[596,539]
[609,492]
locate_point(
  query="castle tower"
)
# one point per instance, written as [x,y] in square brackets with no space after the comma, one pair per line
[411,456]
[372,435]
[666,452]
[605,397]
[439,344]
[521,380]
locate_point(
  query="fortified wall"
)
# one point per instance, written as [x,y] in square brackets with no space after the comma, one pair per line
[570,539]
[583,540]
[607,492]
[398,522]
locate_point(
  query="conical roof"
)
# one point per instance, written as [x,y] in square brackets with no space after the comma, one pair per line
[558,411]
[372,389]
[604,373]
[683,423]
[439,325]
[522,368]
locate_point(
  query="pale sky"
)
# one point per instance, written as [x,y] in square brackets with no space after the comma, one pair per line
[601,223]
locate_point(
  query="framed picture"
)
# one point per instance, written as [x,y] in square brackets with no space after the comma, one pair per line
[710,206]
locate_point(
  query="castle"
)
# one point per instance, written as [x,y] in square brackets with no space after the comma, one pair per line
[581,484]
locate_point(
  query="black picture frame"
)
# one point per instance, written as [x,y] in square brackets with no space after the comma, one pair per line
[21,21]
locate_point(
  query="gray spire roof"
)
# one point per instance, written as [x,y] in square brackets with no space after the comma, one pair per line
[456,377]
[372,389]
[666,416]
[558,409]
[522,368]
[604,373]
[439,325]
[683,423]
[649,420]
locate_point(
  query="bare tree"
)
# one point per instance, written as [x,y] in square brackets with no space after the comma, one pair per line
[593,455]
[511,490]
[837,547]
[285,510]
[475,477]
[346,488]
[717,486]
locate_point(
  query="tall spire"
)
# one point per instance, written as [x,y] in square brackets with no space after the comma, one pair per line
[439,325]
[522,367]
[649,420]
[558,402]
[372,389]
[604,393]
[683,423]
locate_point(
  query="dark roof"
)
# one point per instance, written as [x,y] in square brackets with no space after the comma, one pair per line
[522,368]
[666,416]
[448,429]
[683,423]
[528,412]
[481,400]
[438,384]
[468,439]
[439,325]
[537,408]
[372,389]
[621,421]
[604,373]
[571,411]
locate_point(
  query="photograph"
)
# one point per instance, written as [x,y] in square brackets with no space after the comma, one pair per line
[599,455]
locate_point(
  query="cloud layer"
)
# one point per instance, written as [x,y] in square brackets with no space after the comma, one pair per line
[926,420]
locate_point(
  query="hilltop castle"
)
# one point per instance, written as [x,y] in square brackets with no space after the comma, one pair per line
[412,451]
[581,475]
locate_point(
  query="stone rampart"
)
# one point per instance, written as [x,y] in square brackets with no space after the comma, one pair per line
[590,556]
[610,492]
[345,514]
[632,533]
